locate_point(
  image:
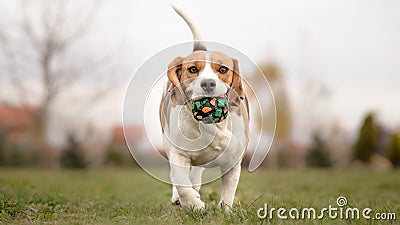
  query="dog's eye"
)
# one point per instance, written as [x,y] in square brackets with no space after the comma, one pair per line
[193,69]
[223,69]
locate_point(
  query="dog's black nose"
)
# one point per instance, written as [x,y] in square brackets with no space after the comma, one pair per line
[208,84]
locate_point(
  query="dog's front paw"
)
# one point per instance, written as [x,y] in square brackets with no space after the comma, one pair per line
[175,199]
[192,203]
[227,208]
[176,202]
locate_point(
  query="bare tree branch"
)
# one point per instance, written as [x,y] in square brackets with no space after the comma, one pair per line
[83,25]
[48,27]
[27,27]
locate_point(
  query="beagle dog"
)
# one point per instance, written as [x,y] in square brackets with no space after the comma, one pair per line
[192,145]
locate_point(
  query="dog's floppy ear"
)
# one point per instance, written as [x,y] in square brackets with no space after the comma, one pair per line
[237,80]
[175,72]
[174,75]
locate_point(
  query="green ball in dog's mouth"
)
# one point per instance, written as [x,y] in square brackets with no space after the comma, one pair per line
[210,109]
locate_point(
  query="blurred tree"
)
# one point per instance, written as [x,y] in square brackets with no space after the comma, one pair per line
[274,75]
[16,157]
[72,157]
[119,157]
[367,141]
[314,114]
[43,55]
[394,150]
[317,155]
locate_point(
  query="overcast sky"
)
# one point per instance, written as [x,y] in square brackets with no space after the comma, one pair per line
[350,47]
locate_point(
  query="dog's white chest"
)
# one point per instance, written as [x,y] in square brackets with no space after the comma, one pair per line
[206,144]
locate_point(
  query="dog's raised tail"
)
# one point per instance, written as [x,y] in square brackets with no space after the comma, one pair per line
[198,43]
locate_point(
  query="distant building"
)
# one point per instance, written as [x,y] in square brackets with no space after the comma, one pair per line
[16,136]
[133,134]
[16,123]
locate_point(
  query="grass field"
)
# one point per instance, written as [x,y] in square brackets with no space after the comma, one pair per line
[130,196]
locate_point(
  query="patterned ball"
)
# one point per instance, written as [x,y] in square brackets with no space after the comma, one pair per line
[210,109]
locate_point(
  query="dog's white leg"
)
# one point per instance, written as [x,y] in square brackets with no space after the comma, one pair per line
[175,196]
[180,177]
[196,173]
[229,183]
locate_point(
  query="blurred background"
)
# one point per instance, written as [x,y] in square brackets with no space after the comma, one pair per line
[333,67]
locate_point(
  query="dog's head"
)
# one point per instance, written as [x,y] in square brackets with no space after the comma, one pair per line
[204,74]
